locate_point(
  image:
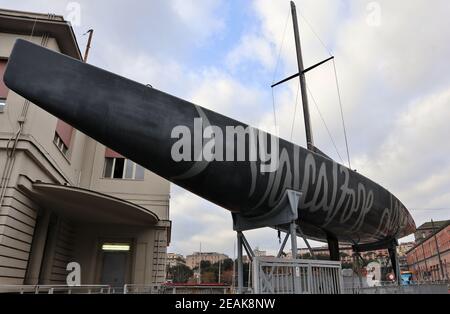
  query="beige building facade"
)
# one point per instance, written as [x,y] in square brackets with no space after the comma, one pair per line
[174,259]
[66,198]
[193,260]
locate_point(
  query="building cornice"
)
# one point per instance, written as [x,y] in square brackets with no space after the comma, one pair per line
[24,23]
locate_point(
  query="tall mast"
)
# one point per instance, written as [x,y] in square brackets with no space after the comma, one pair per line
[301,69]
[333,242]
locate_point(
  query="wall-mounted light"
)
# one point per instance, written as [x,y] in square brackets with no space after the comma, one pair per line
[116,247]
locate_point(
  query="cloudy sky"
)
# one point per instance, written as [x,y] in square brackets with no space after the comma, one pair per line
[392,61]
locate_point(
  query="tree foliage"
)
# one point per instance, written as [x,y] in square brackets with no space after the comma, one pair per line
[180,273]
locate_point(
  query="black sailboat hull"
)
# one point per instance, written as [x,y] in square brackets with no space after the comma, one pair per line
[138,122]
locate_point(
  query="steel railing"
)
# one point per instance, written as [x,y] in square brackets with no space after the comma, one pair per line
[413,287]
[279,279]
[288,276]
[57,289]
[106,289]
[143,289]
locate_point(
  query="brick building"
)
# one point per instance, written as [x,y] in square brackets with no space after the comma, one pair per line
[427,229]
[430,258]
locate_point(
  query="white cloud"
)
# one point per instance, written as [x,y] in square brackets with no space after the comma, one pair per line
[203,19]
[217,90]
[252,48]
[414,157]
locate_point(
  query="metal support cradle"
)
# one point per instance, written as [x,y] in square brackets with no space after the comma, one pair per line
[284,214]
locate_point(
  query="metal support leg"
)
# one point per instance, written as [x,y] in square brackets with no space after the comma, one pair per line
[294,248]
[247,247]
[240,263]
[357,268]
[294,240]
[306,242]
[395,263]
[333,247]
[280,252]
[285,213]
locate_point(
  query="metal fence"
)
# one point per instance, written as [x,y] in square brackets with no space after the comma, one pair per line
[194,289]
[105,289]
[177,289]
[288,276]
[57,289]
[315,278]
[425,287]
[143,289]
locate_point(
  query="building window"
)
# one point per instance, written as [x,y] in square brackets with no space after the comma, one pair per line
[60,144]
[121,168]
[63,137]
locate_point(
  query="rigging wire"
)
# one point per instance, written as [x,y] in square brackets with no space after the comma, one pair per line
[324,123]
[337,87]
[295,112]
[309,91]
[274,109]
[342,114]
[315,34]
[276,68]
[281,47]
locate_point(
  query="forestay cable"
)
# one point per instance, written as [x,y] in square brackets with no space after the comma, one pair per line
[295,111]
[276,68]
[337,86]
[324,123]
[342,113]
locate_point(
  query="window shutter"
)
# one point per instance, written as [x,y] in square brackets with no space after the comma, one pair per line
[109,153]
[64,131]
[3,88]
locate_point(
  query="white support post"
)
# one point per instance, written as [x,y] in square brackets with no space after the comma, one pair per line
[294,256]
[294,240]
